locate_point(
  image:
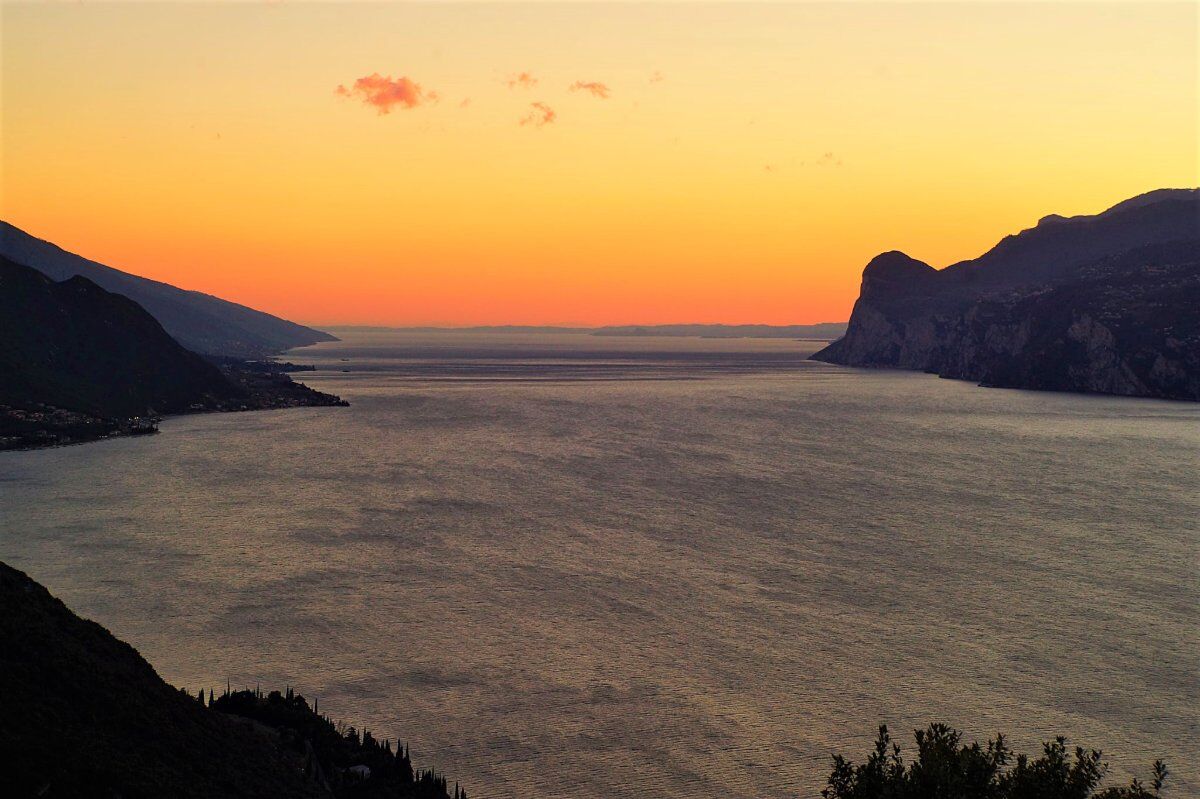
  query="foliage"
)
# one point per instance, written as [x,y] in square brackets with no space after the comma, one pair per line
[945,768]
[331,752]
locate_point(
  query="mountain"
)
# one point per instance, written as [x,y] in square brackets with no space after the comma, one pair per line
[84,715]
[1103,304]
[201,322]
[73,345]
[78,363]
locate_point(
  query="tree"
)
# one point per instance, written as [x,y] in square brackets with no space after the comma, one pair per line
[946,769]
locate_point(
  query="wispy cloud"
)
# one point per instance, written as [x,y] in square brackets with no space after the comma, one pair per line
[829,159]
[656,77]
[385,93]
[522,80]
[596,89]
[539,115]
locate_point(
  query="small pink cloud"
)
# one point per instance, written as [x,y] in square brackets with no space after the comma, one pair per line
[539,115]
[385,93]
[596,89]
[656,77]
[522,80]
[466,102]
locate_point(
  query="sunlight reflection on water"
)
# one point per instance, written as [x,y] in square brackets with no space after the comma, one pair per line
[556,566]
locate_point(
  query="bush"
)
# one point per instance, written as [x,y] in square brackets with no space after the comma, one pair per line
[946,769]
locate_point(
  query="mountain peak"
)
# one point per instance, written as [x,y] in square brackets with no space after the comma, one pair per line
[1152,197]
[894,265]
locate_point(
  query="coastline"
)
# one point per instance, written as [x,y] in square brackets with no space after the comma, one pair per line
[40,426]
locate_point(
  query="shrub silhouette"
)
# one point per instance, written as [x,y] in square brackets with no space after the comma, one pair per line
[945,768]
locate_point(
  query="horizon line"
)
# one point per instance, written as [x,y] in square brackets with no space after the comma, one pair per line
[564,326]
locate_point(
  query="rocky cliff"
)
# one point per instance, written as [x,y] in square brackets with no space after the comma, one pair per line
[1104,304]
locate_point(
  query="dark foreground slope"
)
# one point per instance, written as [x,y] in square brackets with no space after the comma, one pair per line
[200,322]
[1103,303]
[82,714]
[78,363]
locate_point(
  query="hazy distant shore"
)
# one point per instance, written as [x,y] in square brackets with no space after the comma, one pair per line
[824,331]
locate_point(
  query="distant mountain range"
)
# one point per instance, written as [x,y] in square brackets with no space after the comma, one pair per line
[1108,303]
[825,331]
[200,322]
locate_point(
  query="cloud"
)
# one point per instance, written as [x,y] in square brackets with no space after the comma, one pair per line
[522,80]
[829,159]
[466,102]
[656,77]
[385,93]
[597,89]
[539,115]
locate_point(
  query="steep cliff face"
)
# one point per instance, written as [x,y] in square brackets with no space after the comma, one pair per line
[1105,304]
[897,319]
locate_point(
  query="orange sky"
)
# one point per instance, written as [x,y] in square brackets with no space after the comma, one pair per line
[677,163]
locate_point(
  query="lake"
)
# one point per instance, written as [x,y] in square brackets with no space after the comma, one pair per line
[582,566]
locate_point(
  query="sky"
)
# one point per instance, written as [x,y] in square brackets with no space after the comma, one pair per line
[582,164]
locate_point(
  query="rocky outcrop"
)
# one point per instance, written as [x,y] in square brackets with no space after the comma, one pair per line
[1103,304]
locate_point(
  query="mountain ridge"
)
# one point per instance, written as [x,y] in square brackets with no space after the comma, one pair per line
[78,363]
[72,344]
[1137,262]
[201,322]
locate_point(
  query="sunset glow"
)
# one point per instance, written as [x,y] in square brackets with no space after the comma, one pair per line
[576,164]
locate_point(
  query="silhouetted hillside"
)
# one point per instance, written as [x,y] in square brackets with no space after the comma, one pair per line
[79,363]
[1102,303]
[82,714]
[201,322]
[74,345]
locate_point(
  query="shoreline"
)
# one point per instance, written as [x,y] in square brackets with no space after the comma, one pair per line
[42,426]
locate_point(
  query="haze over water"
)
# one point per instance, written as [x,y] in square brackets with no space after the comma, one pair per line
[576,566]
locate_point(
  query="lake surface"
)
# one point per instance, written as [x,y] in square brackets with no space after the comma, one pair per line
[574,566]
